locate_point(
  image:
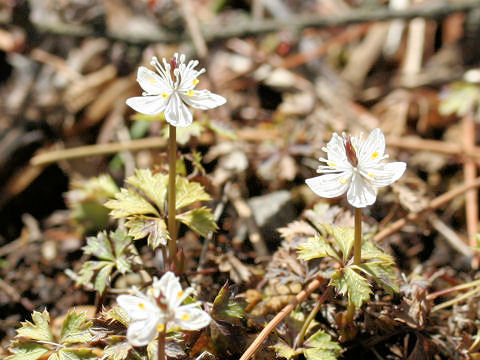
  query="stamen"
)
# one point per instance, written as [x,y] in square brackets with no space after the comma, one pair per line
[180,294]
[195,81]
[141,306]
[160,327]
[186,317]
[374,155]
[371,175]
[164,95]
[190,93]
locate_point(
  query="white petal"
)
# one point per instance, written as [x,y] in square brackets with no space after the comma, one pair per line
[191,318]
[140,333]
[137,308]
[151,82]
[360,193]
[330,185]
[148,105]
[373,148]
[170,287]
[336,150]
[177,112]
[203,99]
[386,174]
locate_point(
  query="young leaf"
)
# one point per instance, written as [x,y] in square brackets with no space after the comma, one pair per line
[39,329]
[382,273]
[348,281]
[114,251]
[226,307]
[316,247]
[155,228]
[27,351]
[117,349]
[73,354]
[371,252]
[344,238]
[188,193]
[75,329]
[282,350]
[321,340]
[153,186]
[128,202]
[199,220]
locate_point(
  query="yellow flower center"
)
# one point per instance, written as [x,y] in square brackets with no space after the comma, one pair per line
[371,175]
[141,306]
[185,317]
[195,81]
[190,93]
[165,95]
[374,155]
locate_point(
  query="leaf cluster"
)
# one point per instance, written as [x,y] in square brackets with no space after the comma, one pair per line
[143,204]
[35,340]
[348,279]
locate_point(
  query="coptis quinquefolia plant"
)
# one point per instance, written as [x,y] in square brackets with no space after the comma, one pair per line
[169,91]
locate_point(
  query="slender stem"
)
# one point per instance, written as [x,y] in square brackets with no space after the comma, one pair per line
[311,316]
[172,225]
[161,345]
[350,313]
[357,245]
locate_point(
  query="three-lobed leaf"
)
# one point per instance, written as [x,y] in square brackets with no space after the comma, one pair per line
[199,220]
[316,247]
[155,229]
[348,281]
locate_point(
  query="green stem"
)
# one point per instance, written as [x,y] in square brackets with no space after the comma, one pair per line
[357,245]
[161,345]
[311,316]
[172,224]
[350,313]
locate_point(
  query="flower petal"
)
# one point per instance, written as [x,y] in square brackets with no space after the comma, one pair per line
[373,148]
[137,308]
[191,318]
[386,174]
[170,287]
[361,193]
[140,333]
[202,99]
[330,185]
[336,150]
[148,105]
[177,112]
[151,82]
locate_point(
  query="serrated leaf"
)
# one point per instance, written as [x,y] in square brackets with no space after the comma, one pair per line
[73,354]
[103,278]
[316,247]
[322,340]
[226,307]
[75,329]
[188,193]
[382,273]
[128,202]
[118,314]
[155,228]
[199,220]
[99,246]
[371,252]
[284,351]
[319,354]
[344,238]
[118,349]
[153,186]
[27,351]
[348,281]
[39,329]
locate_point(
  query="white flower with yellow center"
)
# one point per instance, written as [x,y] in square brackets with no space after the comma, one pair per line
[161,309]
[356,167]
[171,90]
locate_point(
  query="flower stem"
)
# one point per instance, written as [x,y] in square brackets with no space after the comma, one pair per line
[357,245]
[311,316]
[172,225]
[161,346]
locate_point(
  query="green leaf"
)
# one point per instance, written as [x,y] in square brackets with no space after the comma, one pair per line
[344,237]
[316,247]
[118,348]
[199,220]
[118,314]
[27,351]
[154,228]
[128,202]
[382,273]
[73,354]
[461,99]
[319,354]
[371,252]
[153,186]
[227,308]
[39,329]
[284,351]
[115,251]
[322,340]
[347,281]
[188,193]
[75,329]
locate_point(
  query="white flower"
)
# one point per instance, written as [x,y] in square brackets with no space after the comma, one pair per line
[171,90]
[356,167]
[161,309]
